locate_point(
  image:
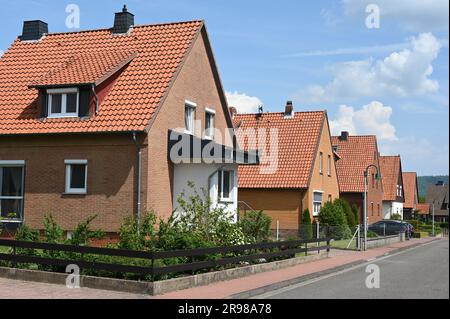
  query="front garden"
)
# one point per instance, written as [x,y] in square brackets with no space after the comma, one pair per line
[198,227]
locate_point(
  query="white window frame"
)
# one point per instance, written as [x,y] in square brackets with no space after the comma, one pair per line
[209,134]
[68,189]
[321,162]
[191,121]
[329,165]
[314,212]
[231,190]
[63,93]
[13,163]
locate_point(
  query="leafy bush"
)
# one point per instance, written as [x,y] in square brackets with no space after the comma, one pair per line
[334,216]
[256,226]
[138,237]
[306,226]
[25,233]
[414,223]
[83,233]
[396,216]
[53,233]
[349,214]
[371,234]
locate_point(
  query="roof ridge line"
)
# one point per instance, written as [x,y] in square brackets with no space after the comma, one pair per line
[135,26]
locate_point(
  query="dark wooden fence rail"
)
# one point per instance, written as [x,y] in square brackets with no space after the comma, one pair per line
[242,253]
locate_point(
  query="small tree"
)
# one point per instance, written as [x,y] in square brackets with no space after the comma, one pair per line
[306,226]
[396,216]
[334,217]
[349,214]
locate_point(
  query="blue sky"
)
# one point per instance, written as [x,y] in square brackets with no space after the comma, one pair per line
[391,81]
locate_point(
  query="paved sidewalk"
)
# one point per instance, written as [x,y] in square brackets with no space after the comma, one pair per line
[33,290]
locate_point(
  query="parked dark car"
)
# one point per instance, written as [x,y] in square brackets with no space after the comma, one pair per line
[391,227]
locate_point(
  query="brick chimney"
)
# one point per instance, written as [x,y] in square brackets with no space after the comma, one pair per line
[33,30]
[344,136]
[123,21]
[289,110]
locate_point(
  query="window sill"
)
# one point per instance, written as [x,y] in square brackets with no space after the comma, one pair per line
[63,116]
[226,201]
[75,194]
[11,221]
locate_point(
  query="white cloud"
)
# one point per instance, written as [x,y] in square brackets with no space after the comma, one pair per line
[371,119]
[400,74]
[418,154]
[242,102]
[411,15]
[352,50]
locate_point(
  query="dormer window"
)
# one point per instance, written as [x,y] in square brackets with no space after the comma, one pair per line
[63,102]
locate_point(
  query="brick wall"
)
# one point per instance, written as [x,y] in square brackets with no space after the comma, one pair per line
[111,178]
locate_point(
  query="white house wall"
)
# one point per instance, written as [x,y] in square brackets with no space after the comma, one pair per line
[200,174]
[390,208]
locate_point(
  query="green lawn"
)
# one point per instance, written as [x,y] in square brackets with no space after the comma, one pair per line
[4,249]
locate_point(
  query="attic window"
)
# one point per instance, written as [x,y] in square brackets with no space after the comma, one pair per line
[63,102]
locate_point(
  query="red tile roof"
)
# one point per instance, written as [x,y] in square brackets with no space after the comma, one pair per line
[423,209]
[89,68]
[390,170]
[410,189]
[130,104]
[356,154]
[298,139]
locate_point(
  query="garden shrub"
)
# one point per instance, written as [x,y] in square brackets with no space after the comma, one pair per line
[306,226]
[396,216]
[53,233]
[135,236]
[25,233]
[349,214]
[256,226]
[414,223]
[83,233]
[371,234]
[333,217]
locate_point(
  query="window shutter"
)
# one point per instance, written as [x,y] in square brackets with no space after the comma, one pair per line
[43,104]
[85,97]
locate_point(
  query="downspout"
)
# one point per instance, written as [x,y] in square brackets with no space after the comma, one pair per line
[96,98]
[139,178]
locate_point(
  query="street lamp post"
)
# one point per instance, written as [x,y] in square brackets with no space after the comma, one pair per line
[377,176]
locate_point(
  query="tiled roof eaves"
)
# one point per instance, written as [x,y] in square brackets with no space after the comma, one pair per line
[324,116]
[174,78]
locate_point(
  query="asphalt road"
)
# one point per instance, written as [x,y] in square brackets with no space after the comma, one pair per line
[420,272]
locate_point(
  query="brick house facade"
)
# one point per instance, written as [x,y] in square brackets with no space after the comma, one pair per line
[305,176]
[356,154]
[130,90]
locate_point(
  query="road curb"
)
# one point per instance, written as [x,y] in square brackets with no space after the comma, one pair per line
[297,280]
